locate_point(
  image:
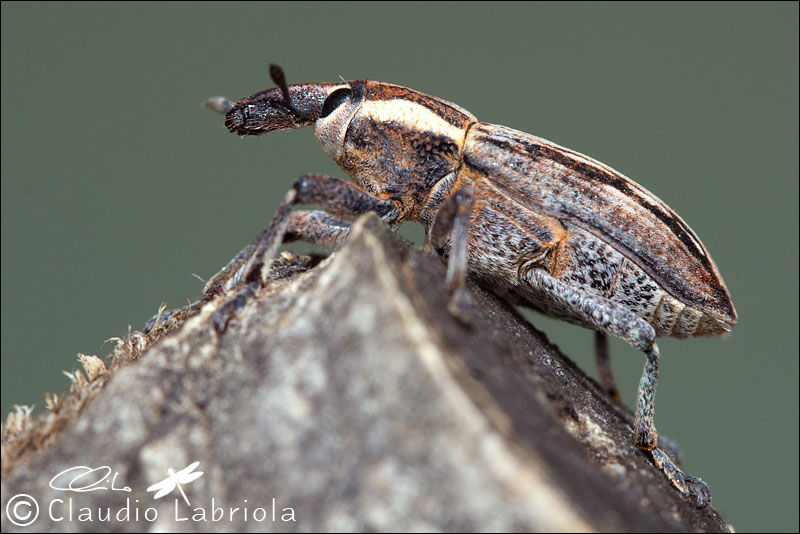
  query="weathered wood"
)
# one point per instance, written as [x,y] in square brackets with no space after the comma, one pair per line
[349,393]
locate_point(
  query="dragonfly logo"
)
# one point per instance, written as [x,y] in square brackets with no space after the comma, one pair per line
[174,480]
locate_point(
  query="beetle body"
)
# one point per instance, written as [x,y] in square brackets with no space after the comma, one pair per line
[541,225]
[537,205]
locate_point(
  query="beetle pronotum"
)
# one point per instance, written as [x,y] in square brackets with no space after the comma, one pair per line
[545,226]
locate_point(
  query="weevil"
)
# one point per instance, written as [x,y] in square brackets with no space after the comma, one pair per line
[542,225]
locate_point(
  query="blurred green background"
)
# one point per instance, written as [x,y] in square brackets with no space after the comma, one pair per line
[117,185]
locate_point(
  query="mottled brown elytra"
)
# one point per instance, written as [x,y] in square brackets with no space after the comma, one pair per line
[542,225]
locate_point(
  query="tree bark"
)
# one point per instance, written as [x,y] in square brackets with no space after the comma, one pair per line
[346,392]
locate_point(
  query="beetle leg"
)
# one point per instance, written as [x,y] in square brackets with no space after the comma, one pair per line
[612,318]
[317,227]
[337,196]
[232,274]
[686,484]
[252,264]
[233,306]
[442,225]
[452,219]
[604,369]
[164,317]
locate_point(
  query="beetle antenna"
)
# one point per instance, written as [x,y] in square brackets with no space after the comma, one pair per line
[276,73]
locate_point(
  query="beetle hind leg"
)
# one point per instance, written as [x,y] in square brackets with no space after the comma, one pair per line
[692,487]
[567,301]
[604,369]
[646,435]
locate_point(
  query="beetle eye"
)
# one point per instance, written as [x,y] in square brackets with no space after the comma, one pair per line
[336,99]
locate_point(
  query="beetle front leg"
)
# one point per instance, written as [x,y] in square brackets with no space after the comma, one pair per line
[317,227]
[336,196]
[231,276]
[252,264]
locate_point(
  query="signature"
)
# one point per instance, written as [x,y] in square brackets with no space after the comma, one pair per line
[81,479]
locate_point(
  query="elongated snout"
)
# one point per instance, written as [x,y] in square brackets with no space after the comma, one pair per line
[269,111]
